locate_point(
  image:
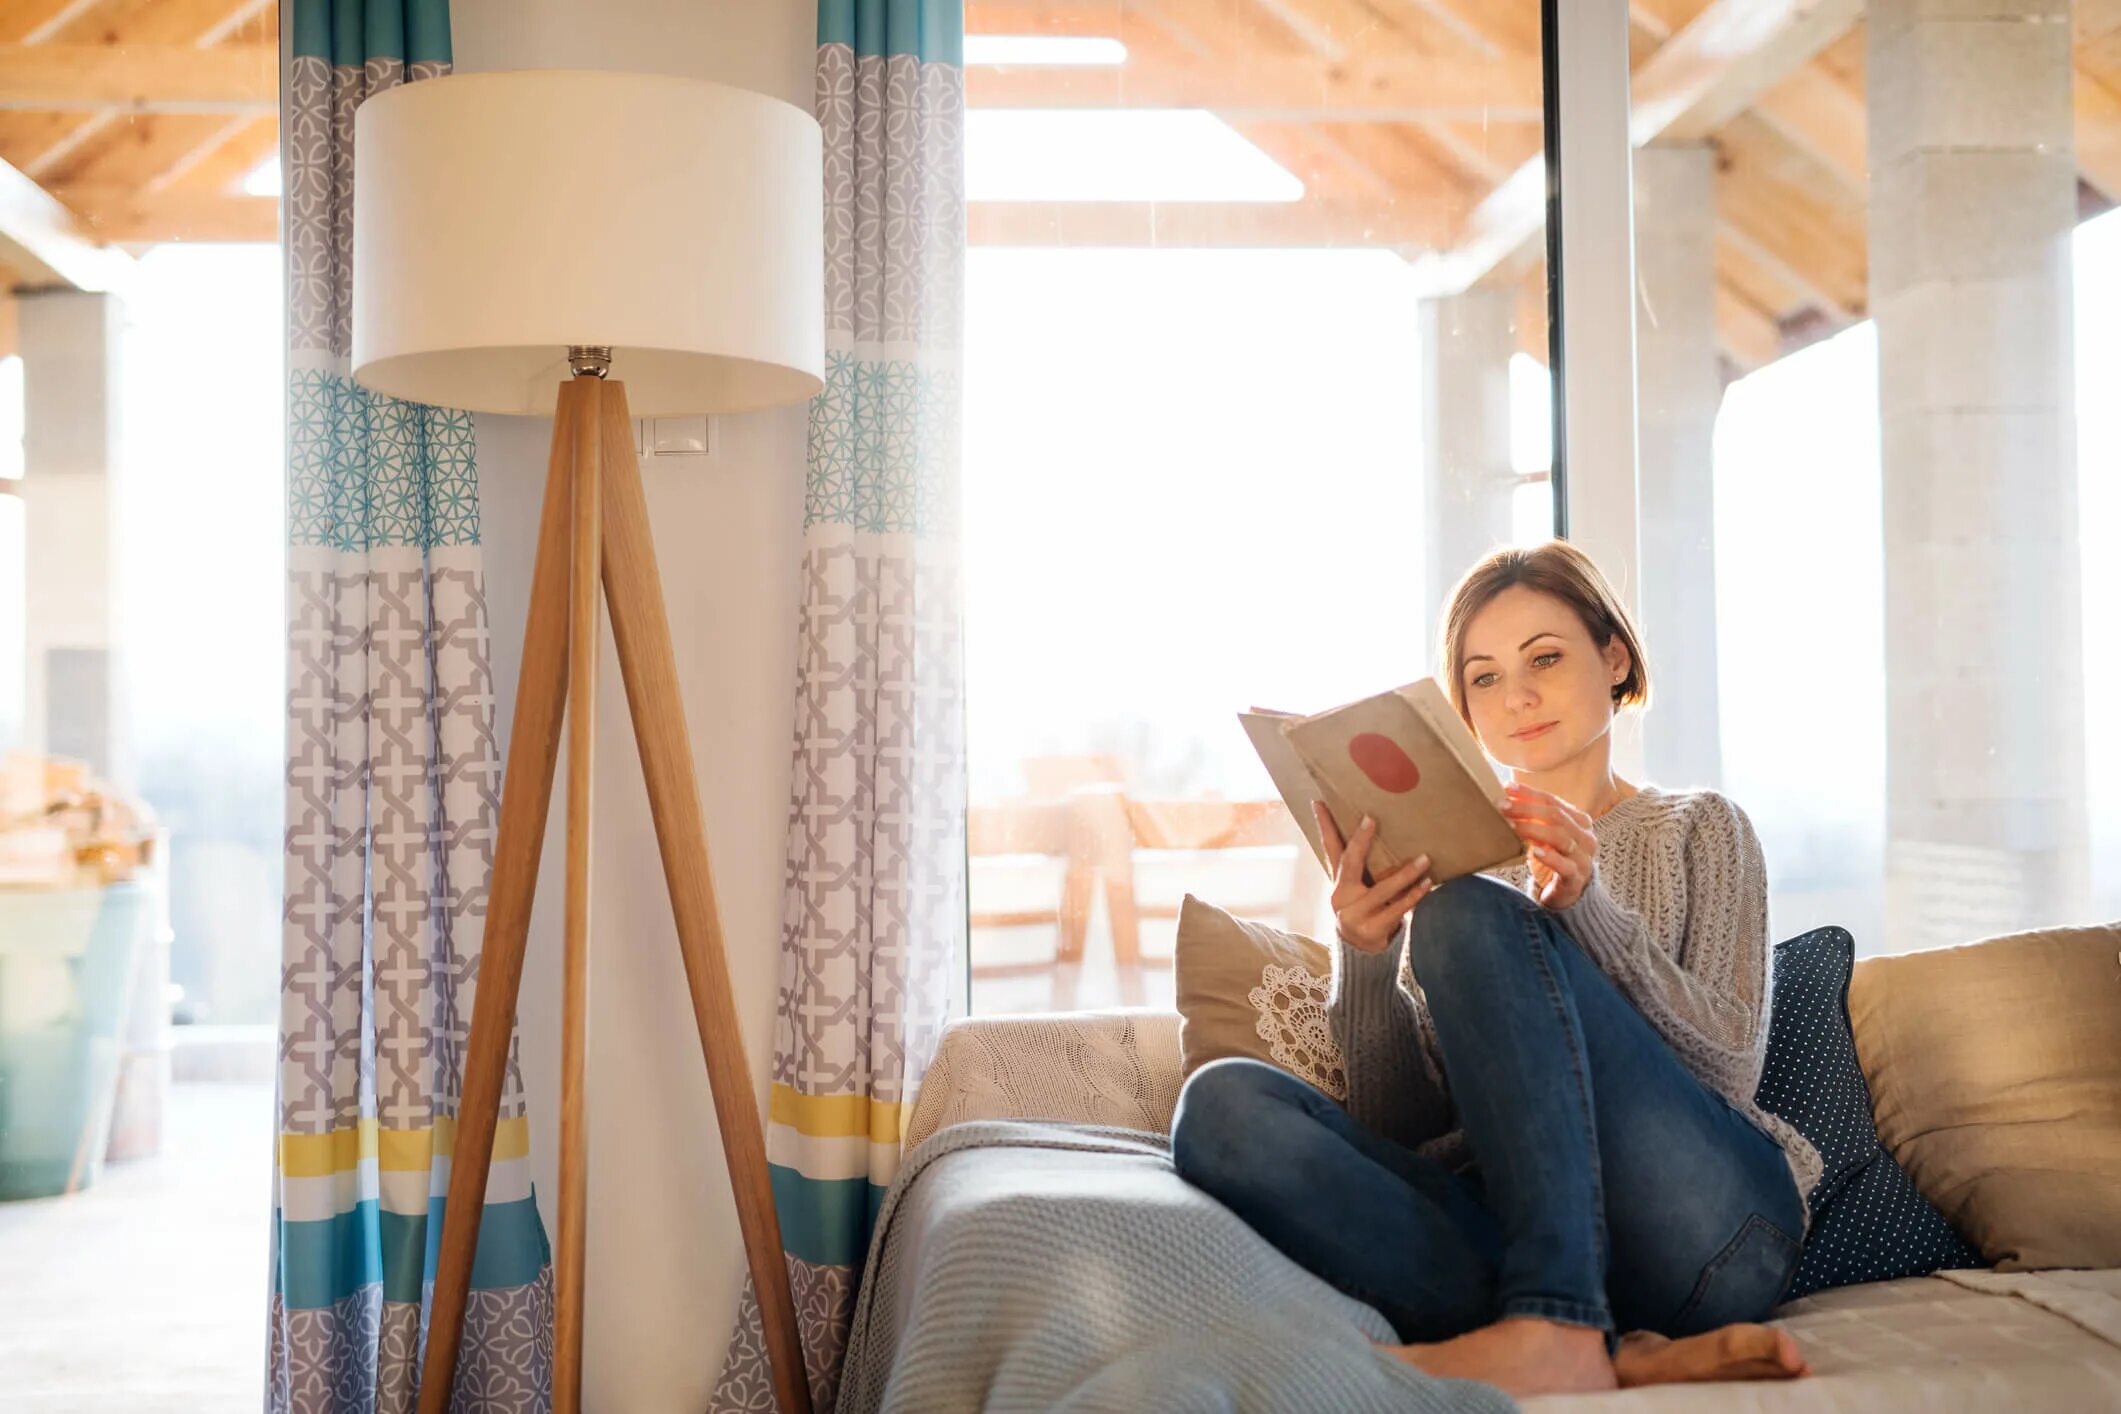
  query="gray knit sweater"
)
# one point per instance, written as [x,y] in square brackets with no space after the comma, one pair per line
[1676,914]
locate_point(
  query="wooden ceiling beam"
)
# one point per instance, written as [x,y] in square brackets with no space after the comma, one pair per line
[1493,27]
[1305,151]
[27,21]
[1777,204]
[140,78]
[1748,335]
[1764,283]
[46,244]
[219,165]
[1718,63]
[1723,60]
[1166,24]
[1396,89]
[124,216]
[2098,133]
[1814,111]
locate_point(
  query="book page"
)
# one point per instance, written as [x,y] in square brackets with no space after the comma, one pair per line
[1387,759]
[1291,777]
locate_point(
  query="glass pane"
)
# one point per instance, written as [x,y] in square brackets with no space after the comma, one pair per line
[142,703]
[1885,327]
[1255,366]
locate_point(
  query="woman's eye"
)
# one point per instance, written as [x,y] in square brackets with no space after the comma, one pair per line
[1482,680]
[1546,657]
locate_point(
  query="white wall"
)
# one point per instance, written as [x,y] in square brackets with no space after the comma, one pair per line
[665,1257]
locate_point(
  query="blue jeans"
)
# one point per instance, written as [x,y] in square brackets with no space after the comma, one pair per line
[1609,1187]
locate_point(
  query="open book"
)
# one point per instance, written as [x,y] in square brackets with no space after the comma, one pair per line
[1403,756]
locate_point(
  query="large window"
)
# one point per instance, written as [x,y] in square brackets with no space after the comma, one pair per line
[1255,358]
[142,651]
[1903,260]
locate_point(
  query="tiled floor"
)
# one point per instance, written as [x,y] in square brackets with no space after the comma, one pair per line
[147,1291]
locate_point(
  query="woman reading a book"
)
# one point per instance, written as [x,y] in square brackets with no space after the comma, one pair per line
[1551,1136]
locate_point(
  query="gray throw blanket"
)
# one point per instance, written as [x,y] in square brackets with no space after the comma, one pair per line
[1033,1266]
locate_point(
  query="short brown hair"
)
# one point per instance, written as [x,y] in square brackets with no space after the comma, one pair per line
[1557,568]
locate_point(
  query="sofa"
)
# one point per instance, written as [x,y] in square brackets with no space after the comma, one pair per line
[2039,1331]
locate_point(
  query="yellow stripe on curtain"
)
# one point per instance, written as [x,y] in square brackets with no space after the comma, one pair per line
[321,1155]
[838,1116]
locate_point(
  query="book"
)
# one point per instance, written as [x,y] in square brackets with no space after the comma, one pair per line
[1403,757]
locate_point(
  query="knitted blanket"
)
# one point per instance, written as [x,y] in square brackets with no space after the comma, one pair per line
[1020,1265]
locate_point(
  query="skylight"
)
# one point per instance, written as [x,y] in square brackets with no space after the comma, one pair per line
[263,179]
[1180,154]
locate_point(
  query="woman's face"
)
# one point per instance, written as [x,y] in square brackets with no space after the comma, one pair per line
[1539,690]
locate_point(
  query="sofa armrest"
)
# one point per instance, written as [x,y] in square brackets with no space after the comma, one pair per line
[1117,1067]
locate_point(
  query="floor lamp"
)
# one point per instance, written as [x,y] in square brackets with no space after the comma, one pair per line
[591,246]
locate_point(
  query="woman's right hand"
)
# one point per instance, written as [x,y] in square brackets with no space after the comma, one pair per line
[1369,915]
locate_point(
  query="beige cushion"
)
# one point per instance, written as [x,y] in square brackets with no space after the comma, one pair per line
[1117,1067]
[1995,1073]
[1245,989]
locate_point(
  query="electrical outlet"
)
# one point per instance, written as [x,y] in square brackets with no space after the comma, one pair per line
[681,436]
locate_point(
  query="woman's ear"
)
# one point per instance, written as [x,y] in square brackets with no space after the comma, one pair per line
[1616,661]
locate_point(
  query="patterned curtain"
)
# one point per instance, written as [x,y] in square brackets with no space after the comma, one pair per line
[393,782]
[874,912]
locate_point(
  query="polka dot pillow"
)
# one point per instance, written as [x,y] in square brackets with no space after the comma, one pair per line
[1868,1221]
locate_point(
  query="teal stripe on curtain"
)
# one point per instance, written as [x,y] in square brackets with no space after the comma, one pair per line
[322,1262]
[351,32]
[932,31]
[825,1221]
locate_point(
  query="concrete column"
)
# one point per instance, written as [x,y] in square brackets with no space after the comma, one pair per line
[1466,345]
[69,346]
[1973,197]
[1678,389]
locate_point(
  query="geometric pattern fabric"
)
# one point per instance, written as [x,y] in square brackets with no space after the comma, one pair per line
[393,792]
[873,910]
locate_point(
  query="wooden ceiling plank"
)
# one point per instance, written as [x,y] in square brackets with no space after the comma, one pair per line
[1774,198]
[1723,58]
[1748,336]
[1815,111]
[45,243]
[1494,27]
[141,78]
[2098,134]
[30,21]
[135,22]
[1726,57]
[1306,152]
[1406,158]
[124,216]
[1762,282]
[159,21]
[26,136]
[2091,19]
[219,165]
[1395,88]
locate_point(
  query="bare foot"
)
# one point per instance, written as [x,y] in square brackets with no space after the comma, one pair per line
[1741,1352]
[1520,1355]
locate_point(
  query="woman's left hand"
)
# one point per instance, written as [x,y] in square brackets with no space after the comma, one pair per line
[1561,849]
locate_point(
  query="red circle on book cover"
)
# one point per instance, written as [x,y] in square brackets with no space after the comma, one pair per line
[1380,758]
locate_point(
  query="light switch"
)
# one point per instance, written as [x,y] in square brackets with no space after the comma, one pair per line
[680,436]
[640,436]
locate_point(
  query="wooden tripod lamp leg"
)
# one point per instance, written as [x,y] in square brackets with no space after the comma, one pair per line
[526,797]
[635,597]
[583,649]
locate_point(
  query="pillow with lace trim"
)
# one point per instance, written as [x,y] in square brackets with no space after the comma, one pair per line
[1249,989]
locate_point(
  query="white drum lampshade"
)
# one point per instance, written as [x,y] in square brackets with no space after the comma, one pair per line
[501,218]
